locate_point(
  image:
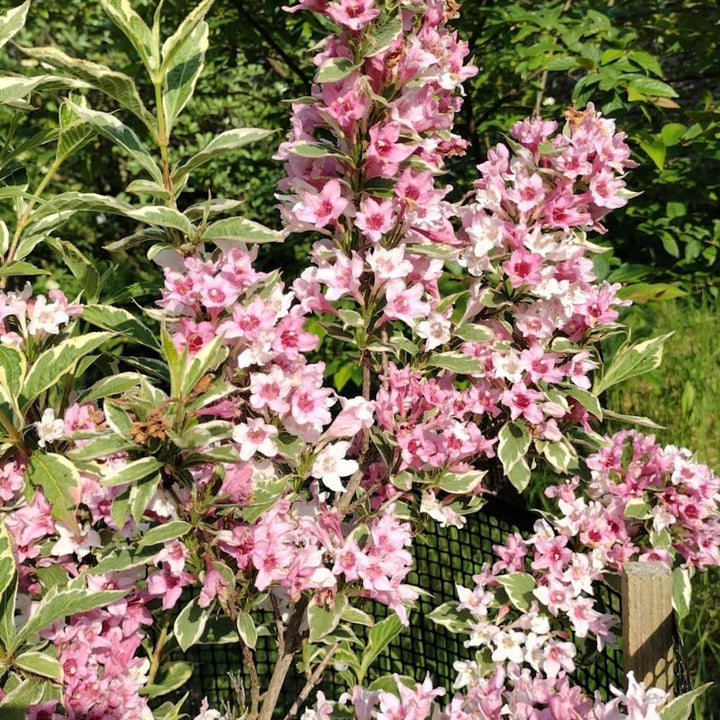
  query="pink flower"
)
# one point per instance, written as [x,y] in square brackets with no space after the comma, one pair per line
[255,436]
[375,218]
[353,14]
[403,303]
[321,209]
[522,402]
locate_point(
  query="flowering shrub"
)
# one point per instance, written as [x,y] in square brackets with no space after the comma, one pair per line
[220,459]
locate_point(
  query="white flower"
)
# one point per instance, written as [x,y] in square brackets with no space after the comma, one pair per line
[330,465]
[508,646]
[435,330]
[443,514]
[255,436]
[49,428]
[46,317]
[78,543]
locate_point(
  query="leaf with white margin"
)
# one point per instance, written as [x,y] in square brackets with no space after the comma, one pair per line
[119,133]
[12,22]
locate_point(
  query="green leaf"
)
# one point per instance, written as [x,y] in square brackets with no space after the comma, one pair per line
[241,230]
[148,187]
[644,292]
[323,620]
[681,591]
[204,361]
[174,44]
[314,150]
[73,133]
[655,150]
[672,133]
[119,133]
[379,637]
[447,615]
[4,238]
[646,61]
[175,361]
[456,362]
[631,361]
[14,705]
[122,322]
[334,69]
[141,495]
[651,87]
[52,364]
[203,434]
[39,663]
[357,617]
[680,708]
[59,480]
[162,216]
[519,587]
[561,455]
[12,22]
[586,399]
[111,385]
[246,629]
[123,559]
[170,711]
[182,76]
[474,333]
[117,85]
[135,29]
[170,676]
[632,419]
[675,210]
[13,89]
[132,472]
[560,63]
[512,448]
[190,624]
[221,144]
[164,533]
[461,483]
[58,605]
[8,587]
[637,509]
[13,367]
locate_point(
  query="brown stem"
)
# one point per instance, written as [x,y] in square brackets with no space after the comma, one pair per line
[286,654]
[254,681]
[313,680]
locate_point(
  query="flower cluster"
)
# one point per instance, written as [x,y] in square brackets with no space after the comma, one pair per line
[511,692]
[23,316]
[644,502]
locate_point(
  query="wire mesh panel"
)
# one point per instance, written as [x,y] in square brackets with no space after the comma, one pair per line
[444,558]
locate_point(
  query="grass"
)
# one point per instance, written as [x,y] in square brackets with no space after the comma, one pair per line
[684,396]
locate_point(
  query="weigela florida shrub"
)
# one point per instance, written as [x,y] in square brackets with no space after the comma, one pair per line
[221,459]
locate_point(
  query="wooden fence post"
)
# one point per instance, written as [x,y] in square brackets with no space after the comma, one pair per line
[647,623]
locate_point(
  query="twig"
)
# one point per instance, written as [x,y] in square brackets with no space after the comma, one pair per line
[313,680]
[254,680]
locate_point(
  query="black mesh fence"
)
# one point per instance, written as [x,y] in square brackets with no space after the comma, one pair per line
[444,558]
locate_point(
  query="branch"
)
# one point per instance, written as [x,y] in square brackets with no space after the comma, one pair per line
[286,655]
[313,680]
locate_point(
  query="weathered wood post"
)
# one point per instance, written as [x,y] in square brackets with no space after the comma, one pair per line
[647,623]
